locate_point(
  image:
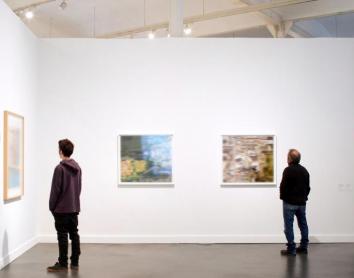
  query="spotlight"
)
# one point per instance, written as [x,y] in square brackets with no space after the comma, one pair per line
[151,35]
[29,14]
[63,5]
[187,30]
[168,35]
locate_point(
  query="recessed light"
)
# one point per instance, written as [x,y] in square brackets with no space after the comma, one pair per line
[29,14]
[151,35]
[187,30]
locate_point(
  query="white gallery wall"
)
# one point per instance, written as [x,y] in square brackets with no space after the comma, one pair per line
[93,90]
[299,90]
[18,90]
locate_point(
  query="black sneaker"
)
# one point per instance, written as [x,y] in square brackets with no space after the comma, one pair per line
[301,250]
[286,252]
[74,267]
[57,268]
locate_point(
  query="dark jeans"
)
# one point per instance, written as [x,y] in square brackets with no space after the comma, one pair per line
[289,211]
[67,224]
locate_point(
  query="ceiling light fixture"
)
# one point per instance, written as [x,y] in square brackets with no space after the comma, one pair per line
[63,5]
[28,10]
[29,14]
[151,35]
[187,30]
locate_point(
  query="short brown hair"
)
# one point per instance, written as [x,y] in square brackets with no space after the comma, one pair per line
[66,147]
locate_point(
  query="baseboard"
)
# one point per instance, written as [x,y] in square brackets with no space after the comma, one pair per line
[13,255]
[202,239]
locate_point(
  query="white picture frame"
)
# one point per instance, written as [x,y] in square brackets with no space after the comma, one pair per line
[123,183]
[246,183]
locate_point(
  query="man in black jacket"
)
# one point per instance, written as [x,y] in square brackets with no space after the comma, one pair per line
[294,190]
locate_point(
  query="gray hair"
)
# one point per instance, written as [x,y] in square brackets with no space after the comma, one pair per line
[294,156]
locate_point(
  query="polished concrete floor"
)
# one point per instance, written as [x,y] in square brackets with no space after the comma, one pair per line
[190,260]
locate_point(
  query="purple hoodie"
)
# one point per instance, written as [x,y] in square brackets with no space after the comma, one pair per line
[66,188]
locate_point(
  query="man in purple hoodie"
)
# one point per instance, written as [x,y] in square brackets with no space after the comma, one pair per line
[64,203]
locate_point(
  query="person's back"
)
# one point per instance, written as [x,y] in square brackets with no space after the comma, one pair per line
[294,191]
[66,188]
[295,185]
[64,203]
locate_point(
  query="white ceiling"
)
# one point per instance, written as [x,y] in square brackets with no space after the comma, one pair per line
[99,18]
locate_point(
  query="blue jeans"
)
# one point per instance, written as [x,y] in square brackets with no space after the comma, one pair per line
[289,211]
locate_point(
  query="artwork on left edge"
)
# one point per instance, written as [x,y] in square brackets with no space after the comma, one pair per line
[249,160]
[13,156]
[145,160]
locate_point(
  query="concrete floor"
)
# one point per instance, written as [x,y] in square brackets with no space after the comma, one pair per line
[190,260]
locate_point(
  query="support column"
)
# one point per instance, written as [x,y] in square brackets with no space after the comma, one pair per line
[176,18]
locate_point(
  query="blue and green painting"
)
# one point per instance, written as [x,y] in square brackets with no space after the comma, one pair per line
[14,178]
[146,158]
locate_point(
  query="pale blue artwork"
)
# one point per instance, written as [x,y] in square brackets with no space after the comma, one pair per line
[14,146]
[14,181]
[14,178]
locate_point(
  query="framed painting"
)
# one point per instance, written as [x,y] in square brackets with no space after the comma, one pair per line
[145,160]
[13,155]
[249,160]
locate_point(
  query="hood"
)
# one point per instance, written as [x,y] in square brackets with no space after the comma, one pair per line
[71,165]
